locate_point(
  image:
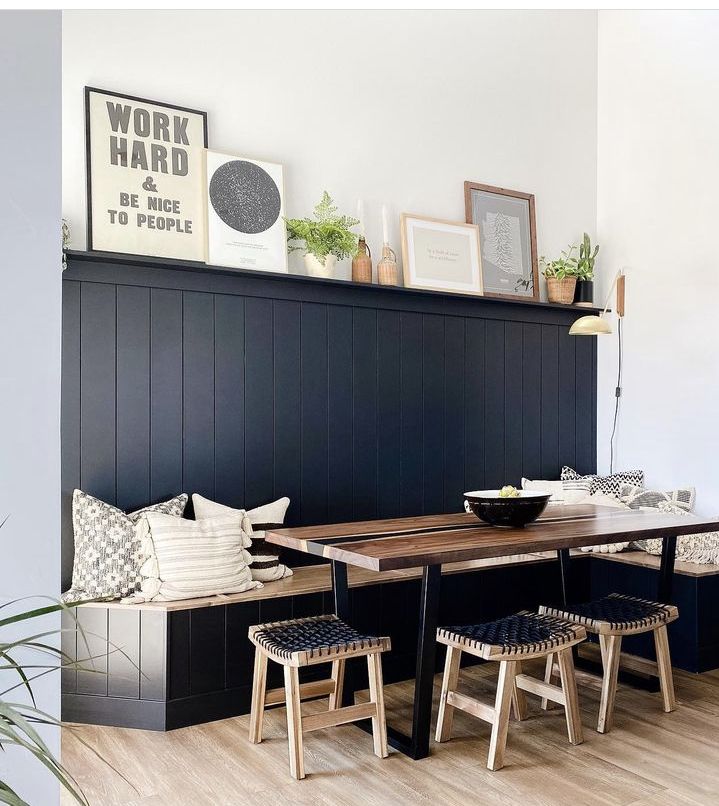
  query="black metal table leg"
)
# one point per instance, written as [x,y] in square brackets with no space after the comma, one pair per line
[666,569]
[563,556]
[415,746]
[340,590]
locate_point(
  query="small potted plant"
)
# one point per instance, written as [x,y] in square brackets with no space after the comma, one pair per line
[327,237]
[561,276]
[584,292]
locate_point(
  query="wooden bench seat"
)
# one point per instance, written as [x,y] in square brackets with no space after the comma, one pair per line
[197,663]
[316,579]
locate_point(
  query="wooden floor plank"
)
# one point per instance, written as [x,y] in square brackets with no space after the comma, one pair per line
[649,759]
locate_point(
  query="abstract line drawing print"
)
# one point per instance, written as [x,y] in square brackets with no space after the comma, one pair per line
[503,242]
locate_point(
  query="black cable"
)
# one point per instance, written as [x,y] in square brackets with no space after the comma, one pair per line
[617,396]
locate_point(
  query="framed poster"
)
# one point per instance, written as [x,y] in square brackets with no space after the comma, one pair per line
[440,255]
[245,202]
[144,176]
[508,239]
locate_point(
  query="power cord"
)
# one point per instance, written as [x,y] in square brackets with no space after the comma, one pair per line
[617,394]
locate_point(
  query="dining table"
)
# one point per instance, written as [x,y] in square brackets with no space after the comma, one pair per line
[429,541]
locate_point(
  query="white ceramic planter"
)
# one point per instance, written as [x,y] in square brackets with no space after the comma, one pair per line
[318,269]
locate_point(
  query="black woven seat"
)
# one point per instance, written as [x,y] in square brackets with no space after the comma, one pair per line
[616,614]
[303,641]
[519,634]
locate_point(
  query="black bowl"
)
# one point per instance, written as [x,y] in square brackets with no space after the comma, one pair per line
[490,508]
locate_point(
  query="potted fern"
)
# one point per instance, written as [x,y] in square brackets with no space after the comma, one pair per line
[584,292]
[327,237]
[561,276]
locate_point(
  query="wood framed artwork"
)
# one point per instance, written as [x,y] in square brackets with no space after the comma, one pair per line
[144,176]
[440,255]
[508,239]
[245,204]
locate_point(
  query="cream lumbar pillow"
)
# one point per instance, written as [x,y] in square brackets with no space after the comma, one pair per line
[559,491]
[265,562]
[185,559]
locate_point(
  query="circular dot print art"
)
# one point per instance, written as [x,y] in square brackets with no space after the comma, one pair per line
[245,197]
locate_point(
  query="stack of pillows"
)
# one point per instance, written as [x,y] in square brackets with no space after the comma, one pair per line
[155,554]
[626,490]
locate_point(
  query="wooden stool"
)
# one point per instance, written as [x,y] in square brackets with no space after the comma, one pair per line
[510,640]
[611,618]
[305,642]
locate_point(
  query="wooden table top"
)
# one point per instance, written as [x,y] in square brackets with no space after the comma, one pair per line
[385,545]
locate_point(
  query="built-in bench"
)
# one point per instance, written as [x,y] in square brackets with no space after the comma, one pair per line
[171,664]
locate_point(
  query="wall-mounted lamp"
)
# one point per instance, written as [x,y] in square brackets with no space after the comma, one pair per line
[597,326]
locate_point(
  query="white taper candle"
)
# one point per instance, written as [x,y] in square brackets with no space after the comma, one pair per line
[385,229]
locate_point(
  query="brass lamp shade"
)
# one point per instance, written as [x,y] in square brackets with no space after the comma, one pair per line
[590,326]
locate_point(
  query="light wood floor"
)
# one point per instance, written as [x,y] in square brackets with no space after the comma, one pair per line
[649,758]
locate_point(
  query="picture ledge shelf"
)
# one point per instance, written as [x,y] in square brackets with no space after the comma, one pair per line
[203,268]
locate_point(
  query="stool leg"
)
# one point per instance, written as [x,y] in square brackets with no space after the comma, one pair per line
[664,664]
[338,675]
[502,705]
[569,687]
[376,695]
[259,685]
[519,698]
[611,650]
[450,678]
[548,675]
[294,722]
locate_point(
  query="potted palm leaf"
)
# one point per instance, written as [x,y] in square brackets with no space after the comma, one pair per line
[584,292]
[21,721]
[327,237]
[561,276]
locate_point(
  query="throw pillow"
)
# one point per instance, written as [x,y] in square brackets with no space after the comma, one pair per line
[610,485]
[265,564]
[561,492]
[107,551]
[639,498]
[184,559]
[601,499]
[701,548]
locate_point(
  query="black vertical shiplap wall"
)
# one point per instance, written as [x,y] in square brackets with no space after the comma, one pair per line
[355,402]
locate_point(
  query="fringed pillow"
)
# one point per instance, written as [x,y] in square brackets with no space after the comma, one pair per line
[265,564]
[184,559]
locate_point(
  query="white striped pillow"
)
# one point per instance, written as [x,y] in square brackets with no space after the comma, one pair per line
[185,559]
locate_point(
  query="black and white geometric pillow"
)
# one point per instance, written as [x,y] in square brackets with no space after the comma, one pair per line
[107,549]
[609,485]
[639,498]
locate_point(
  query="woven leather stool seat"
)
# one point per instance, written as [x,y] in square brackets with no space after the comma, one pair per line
[308,641]
[509,641]
[300,642]
[616,614]
[522,634]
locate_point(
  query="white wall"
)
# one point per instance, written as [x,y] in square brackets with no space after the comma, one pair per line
[658,214]
[30,144]
[399,107]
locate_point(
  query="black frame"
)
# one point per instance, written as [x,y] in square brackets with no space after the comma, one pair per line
[88,168]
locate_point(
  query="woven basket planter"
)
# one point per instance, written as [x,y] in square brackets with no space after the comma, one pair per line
[561,290]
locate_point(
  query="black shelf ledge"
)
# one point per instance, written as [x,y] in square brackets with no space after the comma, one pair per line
[220,271]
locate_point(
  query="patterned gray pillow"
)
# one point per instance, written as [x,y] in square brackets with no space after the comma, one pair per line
[107,550]
[639,498]
[609,485]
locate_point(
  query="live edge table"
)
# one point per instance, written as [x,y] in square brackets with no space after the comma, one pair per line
[431,540]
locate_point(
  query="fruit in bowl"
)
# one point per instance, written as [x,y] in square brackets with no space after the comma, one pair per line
[508,506]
